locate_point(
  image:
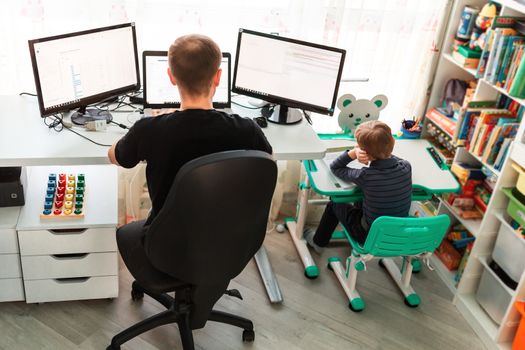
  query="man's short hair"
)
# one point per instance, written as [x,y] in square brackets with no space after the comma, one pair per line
[376,139]
[193,60]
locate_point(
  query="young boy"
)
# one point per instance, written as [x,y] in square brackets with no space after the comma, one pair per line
[386,186]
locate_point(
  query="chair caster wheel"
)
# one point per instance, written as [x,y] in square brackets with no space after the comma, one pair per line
[381,263]
[281,228]
[136,295]
[248,336]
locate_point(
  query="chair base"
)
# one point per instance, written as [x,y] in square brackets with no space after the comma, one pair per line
[178,311]
[347,278]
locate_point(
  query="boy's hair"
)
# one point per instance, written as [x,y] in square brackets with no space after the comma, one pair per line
[193,60]
[376,139]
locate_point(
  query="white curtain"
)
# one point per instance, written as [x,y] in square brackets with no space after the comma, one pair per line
[390,42]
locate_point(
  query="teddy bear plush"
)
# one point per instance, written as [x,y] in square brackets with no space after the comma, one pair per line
[354,112]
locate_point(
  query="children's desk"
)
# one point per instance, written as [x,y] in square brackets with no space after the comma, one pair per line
[428,176]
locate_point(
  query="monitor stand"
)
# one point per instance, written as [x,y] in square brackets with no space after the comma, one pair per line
[285,115]
[85,115]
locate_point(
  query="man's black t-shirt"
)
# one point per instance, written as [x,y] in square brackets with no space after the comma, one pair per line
[169,141]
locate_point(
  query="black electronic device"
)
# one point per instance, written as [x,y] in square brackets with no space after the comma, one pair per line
[12,180]
[78,69]
[295,75]
[158,91]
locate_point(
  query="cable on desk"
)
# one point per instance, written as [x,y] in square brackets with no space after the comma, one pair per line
[58,125]
[87,138]
[307,117]
[54,122]
[119,124]
[28,94]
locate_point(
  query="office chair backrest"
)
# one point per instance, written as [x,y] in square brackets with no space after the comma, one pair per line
[214,218]
[393,236]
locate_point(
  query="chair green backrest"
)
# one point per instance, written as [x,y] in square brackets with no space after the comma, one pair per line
[392,236]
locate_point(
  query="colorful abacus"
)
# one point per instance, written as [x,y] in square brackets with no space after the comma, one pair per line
[64,196]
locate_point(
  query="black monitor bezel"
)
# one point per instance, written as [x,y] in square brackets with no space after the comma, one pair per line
[146,54]
[281,100]
[83,102]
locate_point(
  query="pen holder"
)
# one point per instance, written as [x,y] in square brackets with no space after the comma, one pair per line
[406,133]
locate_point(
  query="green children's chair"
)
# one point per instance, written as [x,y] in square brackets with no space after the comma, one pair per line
[410,238]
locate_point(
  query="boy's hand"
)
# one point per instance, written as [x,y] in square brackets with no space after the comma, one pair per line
[361,155]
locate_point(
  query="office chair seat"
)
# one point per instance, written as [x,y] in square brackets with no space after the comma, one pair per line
[131,247]
[212,223]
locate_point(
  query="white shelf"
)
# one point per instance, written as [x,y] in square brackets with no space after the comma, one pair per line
[451,59]
[471,225]
[488,166]
[518,153]
[482,324]
[445,274]
[504,92]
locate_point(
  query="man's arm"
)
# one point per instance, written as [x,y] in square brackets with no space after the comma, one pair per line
[111,155]
[129,150]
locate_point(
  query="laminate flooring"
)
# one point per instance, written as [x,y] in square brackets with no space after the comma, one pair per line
[314,314]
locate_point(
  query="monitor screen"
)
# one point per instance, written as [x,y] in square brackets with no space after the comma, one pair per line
[77,69]
[288,71]
[160,93]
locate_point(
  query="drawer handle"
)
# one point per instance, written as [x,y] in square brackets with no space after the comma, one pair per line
[67,231]
[70,256]
[72,280]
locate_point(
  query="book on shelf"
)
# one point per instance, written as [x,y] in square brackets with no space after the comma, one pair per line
[498,40]
[465,62]
[517,87]
[506,131]
[491,143]
[516,58]
[512,43]
[478,131]
[472,109]
[502,153]
[447,124]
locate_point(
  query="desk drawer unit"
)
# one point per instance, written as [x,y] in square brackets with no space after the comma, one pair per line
[70,265]
[8,241]
[11,289]
[11,282]
[47,290]
[66,258]
[67,241]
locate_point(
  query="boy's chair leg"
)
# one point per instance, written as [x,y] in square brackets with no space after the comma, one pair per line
[347,277]
[402,279]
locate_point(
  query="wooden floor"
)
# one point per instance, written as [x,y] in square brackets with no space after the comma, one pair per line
[314,314]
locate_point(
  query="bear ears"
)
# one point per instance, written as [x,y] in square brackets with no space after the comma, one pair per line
[344,101]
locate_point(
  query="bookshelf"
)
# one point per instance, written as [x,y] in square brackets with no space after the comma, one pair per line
[494,336]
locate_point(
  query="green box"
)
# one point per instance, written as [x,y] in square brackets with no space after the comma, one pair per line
[515,209]
[467,52]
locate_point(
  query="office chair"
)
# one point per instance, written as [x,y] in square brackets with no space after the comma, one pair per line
[212,223]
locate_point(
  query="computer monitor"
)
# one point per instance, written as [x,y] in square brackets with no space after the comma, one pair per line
[160,93]
[79,69]
[291,73]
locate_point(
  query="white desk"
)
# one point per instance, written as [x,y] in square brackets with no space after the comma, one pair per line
[25,140]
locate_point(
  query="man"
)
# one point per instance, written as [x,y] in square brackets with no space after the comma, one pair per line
[169,141]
